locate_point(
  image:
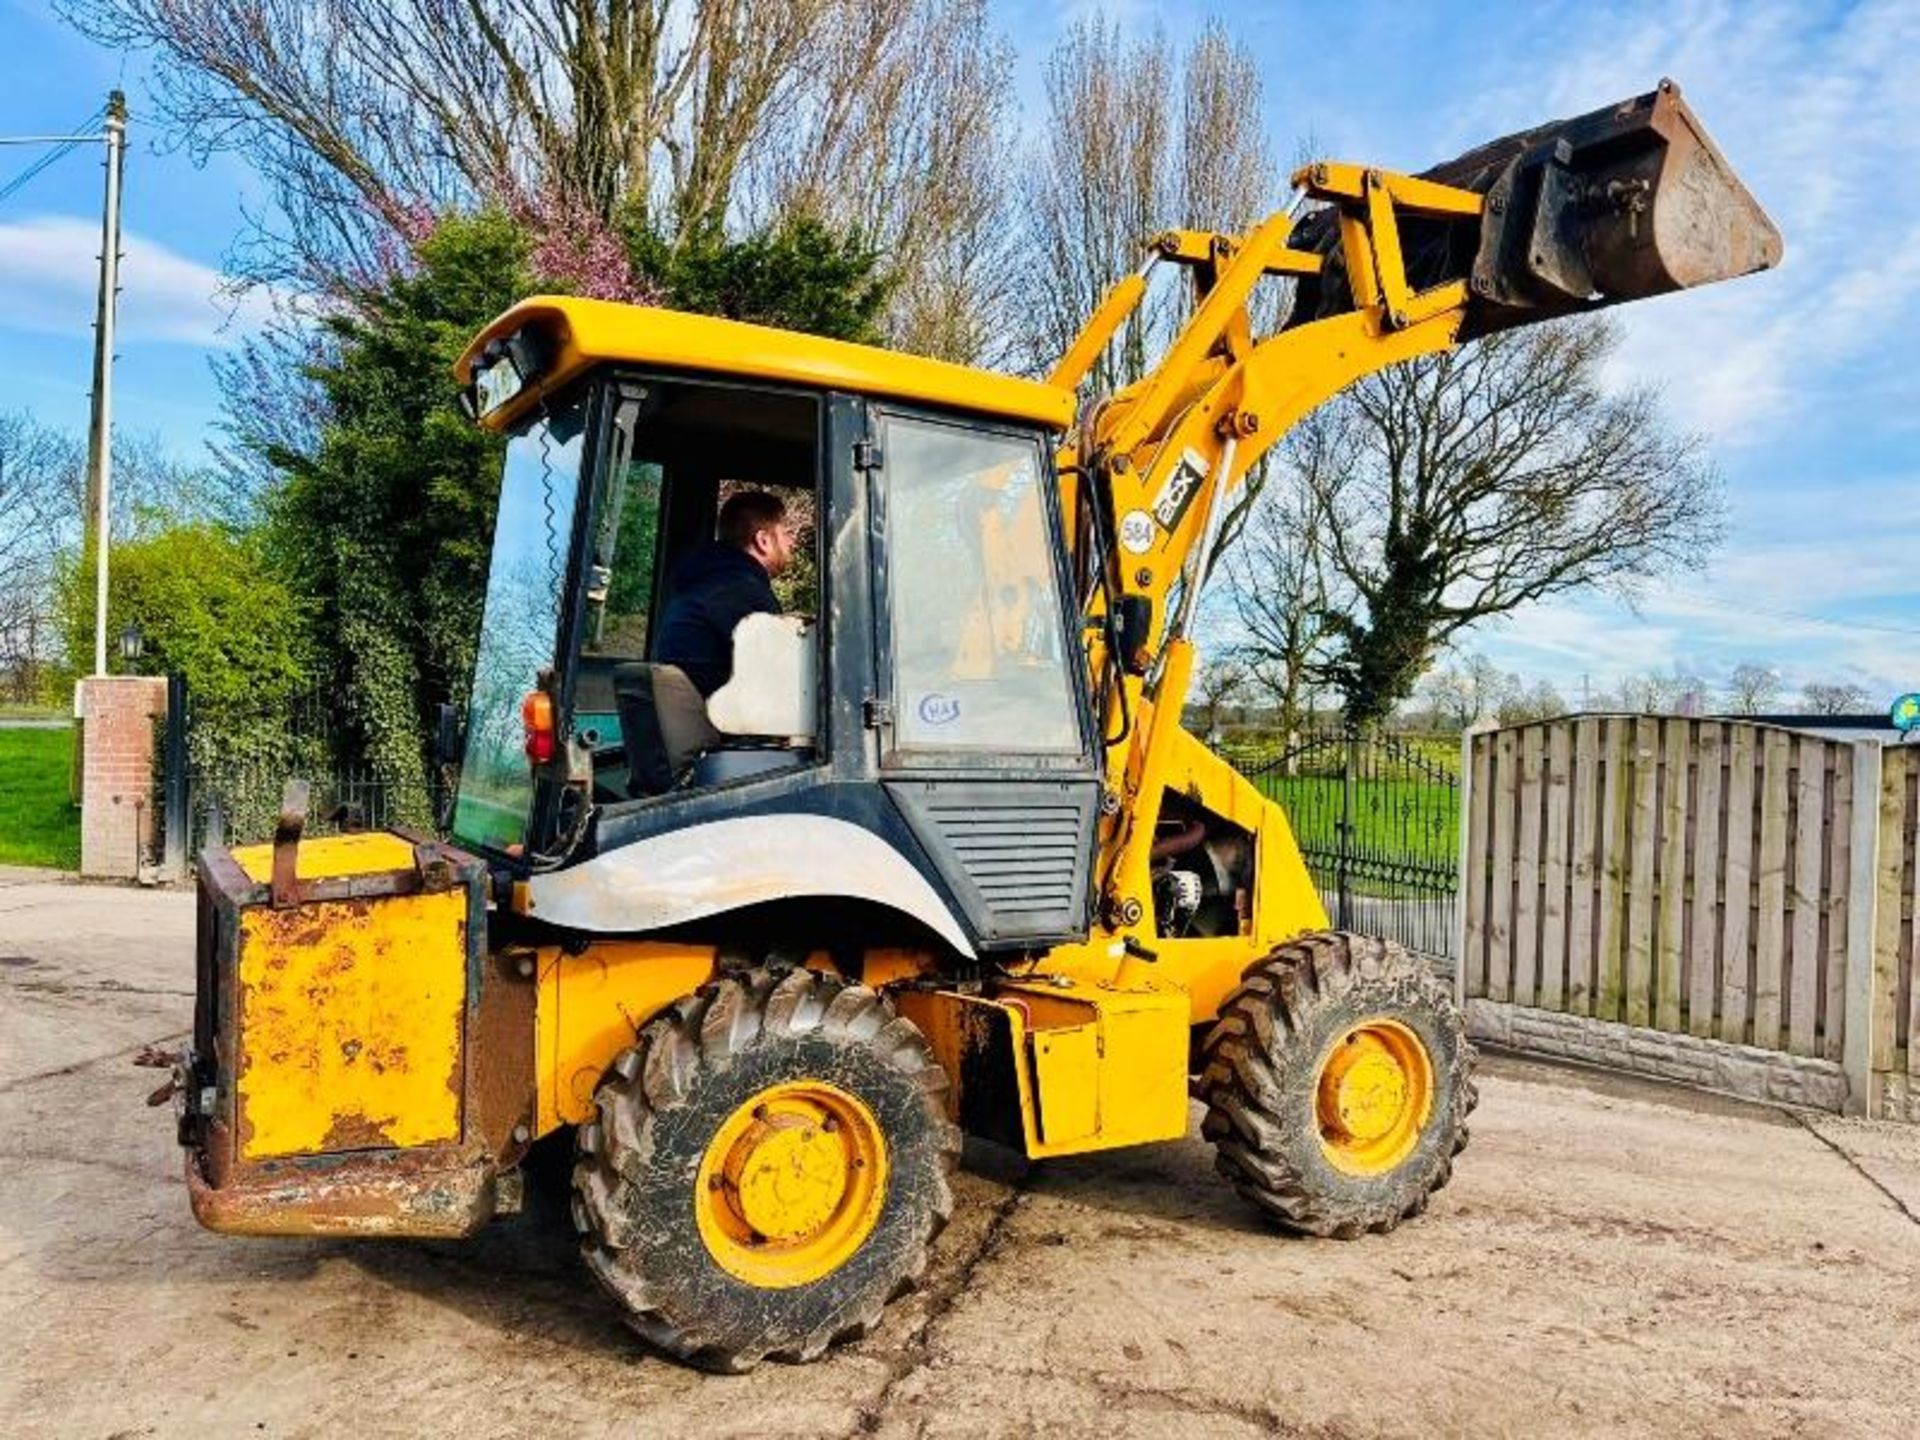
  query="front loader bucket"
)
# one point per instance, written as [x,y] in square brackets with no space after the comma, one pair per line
[1619,204]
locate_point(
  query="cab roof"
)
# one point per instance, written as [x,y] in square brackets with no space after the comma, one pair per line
[581,334]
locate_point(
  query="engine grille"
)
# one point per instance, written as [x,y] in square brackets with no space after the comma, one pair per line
[1017,852]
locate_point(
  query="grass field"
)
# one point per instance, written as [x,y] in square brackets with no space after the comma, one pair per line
[38,823]
[1398,822]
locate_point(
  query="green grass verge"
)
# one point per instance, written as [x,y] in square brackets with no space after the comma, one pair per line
[1395,822]
[39,825]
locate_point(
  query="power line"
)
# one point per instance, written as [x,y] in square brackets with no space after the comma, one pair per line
[62,146]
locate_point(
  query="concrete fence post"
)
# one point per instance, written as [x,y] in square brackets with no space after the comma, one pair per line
[1465,866]
[1863,876]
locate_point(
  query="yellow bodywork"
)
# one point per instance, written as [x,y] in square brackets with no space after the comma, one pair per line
[1087,1064]
[1373,1097]
[587,333]
[791,1185]
[335,857]
[349,1012]
[590,1006]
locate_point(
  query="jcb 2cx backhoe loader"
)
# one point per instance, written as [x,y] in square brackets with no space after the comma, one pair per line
[941,858]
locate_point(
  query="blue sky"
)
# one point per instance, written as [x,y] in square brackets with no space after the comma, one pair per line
[1807,380]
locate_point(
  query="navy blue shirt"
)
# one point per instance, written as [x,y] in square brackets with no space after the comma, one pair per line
[714,588]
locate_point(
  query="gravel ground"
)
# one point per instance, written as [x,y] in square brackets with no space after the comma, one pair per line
[1614,1257]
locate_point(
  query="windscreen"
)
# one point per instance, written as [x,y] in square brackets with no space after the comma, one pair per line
[519,629]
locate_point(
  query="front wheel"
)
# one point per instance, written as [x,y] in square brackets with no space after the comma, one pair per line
[766,1169]
[1337,1080]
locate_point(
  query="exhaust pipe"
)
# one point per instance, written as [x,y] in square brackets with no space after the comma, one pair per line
[1619,204]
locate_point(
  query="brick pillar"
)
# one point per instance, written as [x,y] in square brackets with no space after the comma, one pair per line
[116,771]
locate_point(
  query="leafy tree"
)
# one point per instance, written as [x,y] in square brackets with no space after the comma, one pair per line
[386,521]
[1488,477]
[385,525]
[210,605]
[799,275]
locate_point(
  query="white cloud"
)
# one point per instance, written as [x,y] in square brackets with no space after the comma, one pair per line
[49,274]
[1817,110]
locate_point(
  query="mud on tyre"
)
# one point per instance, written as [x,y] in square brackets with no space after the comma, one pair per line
[790,1104]
[1337,1080]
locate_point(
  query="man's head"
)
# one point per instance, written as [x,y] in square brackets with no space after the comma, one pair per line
[756,522]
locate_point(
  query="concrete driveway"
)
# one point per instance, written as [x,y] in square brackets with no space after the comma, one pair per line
[1613,1258]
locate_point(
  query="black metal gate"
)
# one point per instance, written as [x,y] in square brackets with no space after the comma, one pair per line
[1377,818]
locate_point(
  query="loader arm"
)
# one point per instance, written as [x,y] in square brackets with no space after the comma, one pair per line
[1616,205]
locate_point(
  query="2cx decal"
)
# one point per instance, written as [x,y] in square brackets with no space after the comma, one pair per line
[1180,488]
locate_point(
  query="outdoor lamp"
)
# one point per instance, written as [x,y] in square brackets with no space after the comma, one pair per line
[132,644]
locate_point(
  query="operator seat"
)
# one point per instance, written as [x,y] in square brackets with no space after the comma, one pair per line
[663,724]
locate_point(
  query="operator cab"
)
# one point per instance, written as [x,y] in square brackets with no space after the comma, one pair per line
[924,681]
[681,450]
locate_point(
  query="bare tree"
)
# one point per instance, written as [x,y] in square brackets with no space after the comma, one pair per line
[1674,691]
[1129,152]
[1473,690]
[1278,589]
[365,116]
[1834,698]
[1752,688]
[41,481]
[1214,688]
[1492,476]
[1525,704]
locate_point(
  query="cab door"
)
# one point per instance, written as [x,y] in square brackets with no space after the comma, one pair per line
[986,743]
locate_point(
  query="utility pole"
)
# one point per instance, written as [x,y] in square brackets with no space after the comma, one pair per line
[100,430]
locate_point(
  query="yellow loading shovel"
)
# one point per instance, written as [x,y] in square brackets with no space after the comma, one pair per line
[344,983]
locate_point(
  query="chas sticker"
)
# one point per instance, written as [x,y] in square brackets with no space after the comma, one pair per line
[937,709]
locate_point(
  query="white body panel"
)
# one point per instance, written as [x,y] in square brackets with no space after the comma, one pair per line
[726,864]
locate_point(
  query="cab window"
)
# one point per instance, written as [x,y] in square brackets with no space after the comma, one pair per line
[978,635]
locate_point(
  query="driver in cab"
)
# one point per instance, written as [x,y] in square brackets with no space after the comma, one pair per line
[721,583]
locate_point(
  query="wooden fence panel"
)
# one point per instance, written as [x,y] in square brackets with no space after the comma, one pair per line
[1670,917]
[1610,894]
[1703,939]
[1644,757]
[1736,884]
[1833,1017]
[1585,865]
[1526,870]
[1809,836]
[1770,920]
[1500,907]
[1689,876]
[1903,795]
[1553,871]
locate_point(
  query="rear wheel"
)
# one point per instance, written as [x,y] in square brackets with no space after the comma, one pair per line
[1338,1081]
[766,1169]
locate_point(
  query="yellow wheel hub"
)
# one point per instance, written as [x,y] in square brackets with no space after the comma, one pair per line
[1374,1097]
[791,1185]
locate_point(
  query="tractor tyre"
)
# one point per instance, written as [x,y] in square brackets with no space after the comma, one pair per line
[766,1168]
[1337,1080]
